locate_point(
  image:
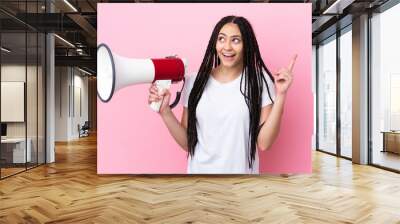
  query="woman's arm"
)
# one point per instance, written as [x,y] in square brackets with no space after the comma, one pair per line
[271,115]
[177,130]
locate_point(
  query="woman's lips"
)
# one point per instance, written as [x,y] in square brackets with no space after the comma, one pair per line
[228,57]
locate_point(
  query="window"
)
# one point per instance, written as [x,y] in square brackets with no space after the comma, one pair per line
[346,92]
[385,88]
[327,95]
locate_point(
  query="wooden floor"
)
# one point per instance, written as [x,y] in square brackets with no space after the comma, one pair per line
[387,159]
[5,172]
[70,191]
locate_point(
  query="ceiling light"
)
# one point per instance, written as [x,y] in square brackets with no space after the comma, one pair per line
[70,5]
[5,50]
[65,41]
[338,6]
[84,71]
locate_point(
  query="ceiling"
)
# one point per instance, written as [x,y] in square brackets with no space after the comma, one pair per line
[76,22]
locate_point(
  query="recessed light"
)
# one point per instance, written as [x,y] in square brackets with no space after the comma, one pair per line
[70,5]
[64,40]
[84,71]
[5,49]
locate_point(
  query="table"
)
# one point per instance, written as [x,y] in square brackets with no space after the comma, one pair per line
[16,147]
[391,141]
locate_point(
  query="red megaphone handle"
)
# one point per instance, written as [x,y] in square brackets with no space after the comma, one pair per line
[178,96]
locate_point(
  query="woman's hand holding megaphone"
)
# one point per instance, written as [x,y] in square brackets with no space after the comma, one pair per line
[154,96]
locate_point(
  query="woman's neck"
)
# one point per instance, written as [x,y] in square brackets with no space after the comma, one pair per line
[224,73]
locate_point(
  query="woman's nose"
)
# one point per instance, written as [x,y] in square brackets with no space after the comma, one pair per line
[227,45]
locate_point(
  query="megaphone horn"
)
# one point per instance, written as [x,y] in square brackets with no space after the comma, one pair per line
[115,72]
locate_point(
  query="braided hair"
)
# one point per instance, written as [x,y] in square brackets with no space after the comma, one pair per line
[253,69]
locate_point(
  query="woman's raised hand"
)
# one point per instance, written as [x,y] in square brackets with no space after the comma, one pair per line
[284,77]
[155,97]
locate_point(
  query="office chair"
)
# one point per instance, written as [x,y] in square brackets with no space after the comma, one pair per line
[84,130]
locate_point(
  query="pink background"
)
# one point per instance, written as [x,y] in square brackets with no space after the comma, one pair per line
[132,139]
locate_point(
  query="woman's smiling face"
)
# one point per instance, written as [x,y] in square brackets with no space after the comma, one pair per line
[230,45]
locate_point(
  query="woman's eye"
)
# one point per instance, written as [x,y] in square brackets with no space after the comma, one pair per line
[236,40]
[221,39]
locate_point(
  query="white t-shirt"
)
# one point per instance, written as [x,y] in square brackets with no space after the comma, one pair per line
[223,127]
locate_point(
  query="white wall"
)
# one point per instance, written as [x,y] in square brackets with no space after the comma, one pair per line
[15,72]
[62,82]
[80,83]
[71,93]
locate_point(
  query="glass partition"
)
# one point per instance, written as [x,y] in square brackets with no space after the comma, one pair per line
[22,77]
[31,100]
[41,109]
[13,103]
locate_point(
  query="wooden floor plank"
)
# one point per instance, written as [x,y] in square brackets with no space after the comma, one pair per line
[70,191]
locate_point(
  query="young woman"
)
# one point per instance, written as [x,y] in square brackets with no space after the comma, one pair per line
[231,107]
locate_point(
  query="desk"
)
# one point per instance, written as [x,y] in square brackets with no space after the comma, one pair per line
[17,150]
[391,141]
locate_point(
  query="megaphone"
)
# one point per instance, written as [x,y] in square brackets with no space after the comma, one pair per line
[115,72]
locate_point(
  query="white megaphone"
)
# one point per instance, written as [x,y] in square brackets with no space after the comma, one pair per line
[115,72]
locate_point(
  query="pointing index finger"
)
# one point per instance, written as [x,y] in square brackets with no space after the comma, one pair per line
[292,62]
